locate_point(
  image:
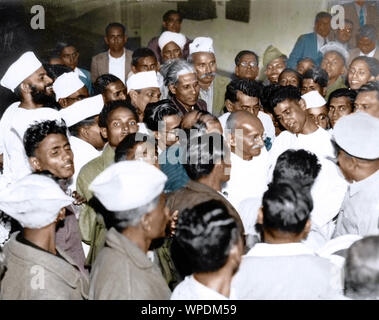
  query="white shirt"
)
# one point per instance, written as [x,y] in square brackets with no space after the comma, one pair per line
[117,66]
[83,153]
[207,96]
[266,120]
[248,178]
[277,250]
[320,41]
[370,54]
[191,289]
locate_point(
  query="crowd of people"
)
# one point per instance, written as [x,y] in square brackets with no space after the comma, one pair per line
[151,176]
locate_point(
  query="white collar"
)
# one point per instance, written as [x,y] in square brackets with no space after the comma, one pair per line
[370,54]
[110,57]
[363,184]
[79,72]
[282,249]
[208,293]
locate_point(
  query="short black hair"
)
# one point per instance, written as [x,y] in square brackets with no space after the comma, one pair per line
[128,143]
[245,52]
[56,70]
[299,77]
[168,13]
[318,75]
[103,81]
[115,25]
[250,88]
[112,105]
[343,92]
[74,129]
[286,208]
[369,87]
[278,94]
[296,165]
[142,53]
[321,15]
[156,111]
[203,153]
[204,236]
[38,131]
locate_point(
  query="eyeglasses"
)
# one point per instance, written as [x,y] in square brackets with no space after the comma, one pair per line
[260,138]
[248,64]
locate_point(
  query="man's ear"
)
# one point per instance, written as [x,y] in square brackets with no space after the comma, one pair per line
[25,87]
[372,78]
[133,96]
[157,135]
[106,40]
[35,164]
[134,69]
[236,71]
[302,104]
[172,89]
[260,216]
[63,102]
[83,131]
[229,105]
[232,139]
[146,222]
[307,228]
[103,132]
[324,91]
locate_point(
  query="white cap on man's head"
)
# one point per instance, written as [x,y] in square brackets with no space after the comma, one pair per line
[82,110]
[128,185]
[34,201]
[313,99]
[201,44]
[169,36]
[142,80]
[358,134]
[67,84]
[335,46]
[22,68]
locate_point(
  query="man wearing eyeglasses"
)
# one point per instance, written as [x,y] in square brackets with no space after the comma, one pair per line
[246,65]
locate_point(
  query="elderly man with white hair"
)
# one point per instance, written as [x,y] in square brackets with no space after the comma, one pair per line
[137,214]
[27,78]
[69,89]
[212,86]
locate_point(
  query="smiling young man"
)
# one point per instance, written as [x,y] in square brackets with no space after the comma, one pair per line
[110,87]
[117,59]
[116,120]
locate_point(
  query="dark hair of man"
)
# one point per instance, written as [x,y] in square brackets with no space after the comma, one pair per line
[318,75]
[240,54]
[115,25]
[141,53]
[74,129]
[279,94]
[156,111]
[369,87]
[203,153]
[35,134]
[299,77]
[321,15]
[204,237]
[250,88]
[296,165]
[372,63]
[168,13]
[362,269]
[343,92]
[102,82]
[112,105]
[286,207]
[60,45]
[368,31]
[127,144]
[56,70]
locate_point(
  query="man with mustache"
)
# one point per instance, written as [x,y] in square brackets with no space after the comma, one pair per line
[212,87]
[27,78]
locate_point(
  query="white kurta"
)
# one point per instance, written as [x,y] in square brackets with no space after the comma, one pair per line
[191,289]
[248,178]
[83,153]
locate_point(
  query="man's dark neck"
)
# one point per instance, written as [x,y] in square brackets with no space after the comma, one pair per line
[29,104]
[116,54]
[211,181]
[309,126]
[205,86]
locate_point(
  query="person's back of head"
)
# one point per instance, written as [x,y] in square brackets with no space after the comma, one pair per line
[103,81]
[286,211]
[250,88]
[362,269]
[318,75]
[204,238]
[156,111]
[56,70]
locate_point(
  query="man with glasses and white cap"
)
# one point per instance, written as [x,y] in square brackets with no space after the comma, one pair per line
[27,78]
[212,86]
[86,141]
[143,88]
[356,138]
[69,89]
[38,204]
[137,214]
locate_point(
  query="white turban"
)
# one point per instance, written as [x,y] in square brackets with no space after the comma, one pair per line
[128,185]
[201,44]
[34,201]
[22,68]
[169,36]
[67,84]
[313,99]
[82,109]
[142,80]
